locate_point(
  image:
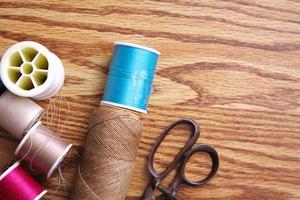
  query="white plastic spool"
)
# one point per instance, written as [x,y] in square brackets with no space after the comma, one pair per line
[29,69]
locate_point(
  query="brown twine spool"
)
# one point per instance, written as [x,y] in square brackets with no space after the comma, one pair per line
[42,149]
[110,152]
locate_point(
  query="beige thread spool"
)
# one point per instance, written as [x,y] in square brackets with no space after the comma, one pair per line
[7,147]
[18,114]
[42,149]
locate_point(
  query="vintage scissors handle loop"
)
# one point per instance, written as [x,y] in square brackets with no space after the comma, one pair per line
[214,168]
[195,135]
[170,193]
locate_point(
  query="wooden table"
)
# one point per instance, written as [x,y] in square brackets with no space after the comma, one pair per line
[234,66]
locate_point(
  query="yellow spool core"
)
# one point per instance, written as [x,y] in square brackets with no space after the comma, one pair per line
[28,68]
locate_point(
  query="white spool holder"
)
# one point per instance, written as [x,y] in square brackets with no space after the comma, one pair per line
[29,69]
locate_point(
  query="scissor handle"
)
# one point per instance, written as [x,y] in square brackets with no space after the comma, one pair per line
[195,135]
[214,168]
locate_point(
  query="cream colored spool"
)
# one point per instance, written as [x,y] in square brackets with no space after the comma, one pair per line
[29,69]
[42,149]
[18,114]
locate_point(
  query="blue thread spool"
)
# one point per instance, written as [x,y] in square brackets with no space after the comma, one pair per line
[129,82]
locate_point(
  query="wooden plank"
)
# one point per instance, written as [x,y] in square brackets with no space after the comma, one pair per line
[234,66]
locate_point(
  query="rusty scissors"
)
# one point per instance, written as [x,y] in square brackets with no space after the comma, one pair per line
[181,159]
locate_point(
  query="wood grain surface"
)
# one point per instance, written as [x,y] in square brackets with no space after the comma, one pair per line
[233,66]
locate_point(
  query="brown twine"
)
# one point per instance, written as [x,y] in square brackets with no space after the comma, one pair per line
[110,152]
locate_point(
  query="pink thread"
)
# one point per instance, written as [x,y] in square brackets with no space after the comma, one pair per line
[16,184]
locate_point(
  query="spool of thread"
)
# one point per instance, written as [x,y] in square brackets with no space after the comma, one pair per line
[18,114]
[115,128]
[29,69]
[130,78]
[110,152]
[42,149]
[7,148]
[16,184]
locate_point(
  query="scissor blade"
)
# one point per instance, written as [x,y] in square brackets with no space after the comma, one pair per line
[161,197]
[164,197]
[149,193]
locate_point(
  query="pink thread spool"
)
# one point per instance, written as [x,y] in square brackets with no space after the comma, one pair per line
[42,149]
[18,114]
[16,184]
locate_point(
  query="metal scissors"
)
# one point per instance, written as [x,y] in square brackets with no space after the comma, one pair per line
[181,159]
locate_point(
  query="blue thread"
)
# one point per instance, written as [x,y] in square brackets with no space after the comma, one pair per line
[130,79]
